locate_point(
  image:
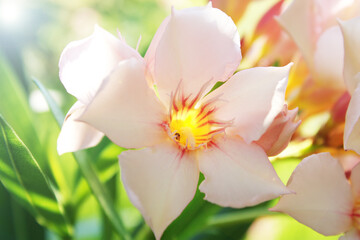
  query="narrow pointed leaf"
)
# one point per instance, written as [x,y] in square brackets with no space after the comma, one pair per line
[97,187]
[56,111]
[15,109]
[23,178]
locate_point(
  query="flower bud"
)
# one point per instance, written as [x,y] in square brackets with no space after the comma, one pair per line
[278,135]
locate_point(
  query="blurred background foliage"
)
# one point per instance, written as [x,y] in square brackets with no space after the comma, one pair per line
[32,35]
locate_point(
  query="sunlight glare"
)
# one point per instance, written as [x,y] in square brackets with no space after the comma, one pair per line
[10,13]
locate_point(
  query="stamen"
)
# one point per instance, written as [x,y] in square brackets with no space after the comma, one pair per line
[191,123]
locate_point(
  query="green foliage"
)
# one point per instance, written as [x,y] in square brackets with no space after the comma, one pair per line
[283,227]
[56,111]
[99,190]
[22,176]
[15,109]
[80,196]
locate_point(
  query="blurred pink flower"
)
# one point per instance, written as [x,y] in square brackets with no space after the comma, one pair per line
[324,200]
[270,43]
[312,24]
[180,127]
[318,35]
[351,31]
[234,8]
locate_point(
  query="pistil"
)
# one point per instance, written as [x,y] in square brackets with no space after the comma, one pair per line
[191,123]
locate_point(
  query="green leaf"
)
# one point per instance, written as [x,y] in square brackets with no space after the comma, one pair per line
[193,219]
[97,187]
[101,194]
[284,167]
[64,168]
[23,178]
[283,227]
[239,216]
[15,109]
[217,85]
[56,111]
[6,226]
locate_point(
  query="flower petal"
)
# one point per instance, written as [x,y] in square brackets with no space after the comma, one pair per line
[150,53]
[351,32]
[126,109]
[352,123]
[302,34]
[160,181]
[235,9]
[252,98]
[85,63]
[353,234]
[355,181]
[315,17]
[348,160]
[76,135]
[328,68]
[238,174]
[268,26]
[198,45]
[278,135]
[323,199]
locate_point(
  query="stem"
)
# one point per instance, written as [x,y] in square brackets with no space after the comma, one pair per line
[244,215]
[107,230]
[101,195]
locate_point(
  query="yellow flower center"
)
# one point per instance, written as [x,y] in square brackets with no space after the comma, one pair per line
[191,124]
[190,127]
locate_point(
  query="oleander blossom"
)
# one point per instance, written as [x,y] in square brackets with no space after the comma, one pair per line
[179,127]
[350,30]
[320,34]
[325,200]
[318,74]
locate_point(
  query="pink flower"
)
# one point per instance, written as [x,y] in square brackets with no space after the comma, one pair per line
[351,30]
[278,135]
[318,35]
[313,26]
[324,200]
[269,43]
[235,9]
[180,128]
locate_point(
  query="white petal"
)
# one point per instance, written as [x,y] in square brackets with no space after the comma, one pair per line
[329,58]
[252,98]
[126,109]
[160,181]
[85,63]
[315,17]
[76,135]
[351,33]
[322,199]
[352,123]
[353,234]
[355,181]
[238,174]
[198,45]
[299,11]
[150,53]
